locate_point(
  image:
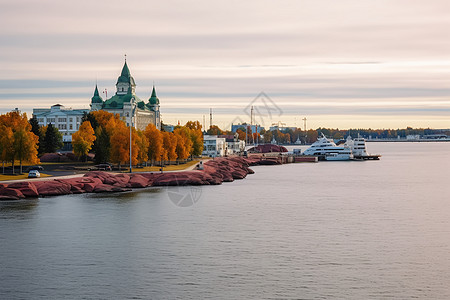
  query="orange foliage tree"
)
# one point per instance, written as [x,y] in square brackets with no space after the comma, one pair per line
[170,145]
[83,139]
[184,143]
[6,144]
[155,140]
[19,142]
[196,136]
[120,144]
[142,146]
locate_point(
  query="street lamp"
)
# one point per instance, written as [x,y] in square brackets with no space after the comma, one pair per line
[133,109]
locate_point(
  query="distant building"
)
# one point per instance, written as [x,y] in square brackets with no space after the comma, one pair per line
[214,146]
[67,120]
[254,128]
[233,144]
[129,106]
[412,137]
[281,128]
[168,127]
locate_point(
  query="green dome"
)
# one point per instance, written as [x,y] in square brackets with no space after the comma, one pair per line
[96,98]
[153,98]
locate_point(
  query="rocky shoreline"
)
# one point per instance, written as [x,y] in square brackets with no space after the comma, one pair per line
[214,172]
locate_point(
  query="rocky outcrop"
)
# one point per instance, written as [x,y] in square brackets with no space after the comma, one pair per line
[214,172]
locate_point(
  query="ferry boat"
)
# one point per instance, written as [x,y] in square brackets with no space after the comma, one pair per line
[326,149]
[358,147]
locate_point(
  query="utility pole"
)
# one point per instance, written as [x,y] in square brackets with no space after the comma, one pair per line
[210,118]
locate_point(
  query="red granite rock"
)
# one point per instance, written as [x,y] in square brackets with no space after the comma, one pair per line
[106,188]
[11,194]
[28,189]
[52,188]
[138,181]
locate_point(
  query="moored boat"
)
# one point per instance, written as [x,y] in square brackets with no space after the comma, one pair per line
[326,149]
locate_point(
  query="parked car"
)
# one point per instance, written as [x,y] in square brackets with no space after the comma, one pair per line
[39,168]
[104,167]
[34,174]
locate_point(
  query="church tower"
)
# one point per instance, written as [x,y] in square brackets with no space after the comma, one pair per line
[96,100]
[153,104]
[125,82]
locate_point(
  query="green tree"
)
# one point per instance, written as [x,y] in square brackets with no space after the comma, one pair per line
[52,139]
[102,146]
[35,128]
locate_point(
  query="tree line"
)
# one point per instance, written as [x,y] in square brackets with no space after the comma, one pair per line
[107,136]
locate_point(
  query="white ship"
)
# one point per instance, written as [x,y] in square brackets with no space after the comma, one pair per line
[358,147]
[326,149]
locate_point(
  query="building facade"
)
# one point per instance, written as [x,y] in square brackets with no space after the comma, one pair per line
[233,144]
[67,120]
[129,106]
[214,146]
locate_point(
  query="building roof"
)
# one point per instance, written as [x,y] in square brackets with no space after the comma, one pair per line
[96,98]
[154,100]
[125,76]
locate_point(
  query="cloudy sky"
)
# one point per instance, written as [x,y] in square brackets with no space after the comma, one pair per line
[341,64]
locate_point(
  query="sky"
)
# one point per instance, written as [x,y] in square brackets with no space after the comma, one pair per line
[339,64]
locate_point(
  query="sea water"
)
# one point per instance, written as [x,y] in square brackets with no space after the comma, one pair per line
[327,230]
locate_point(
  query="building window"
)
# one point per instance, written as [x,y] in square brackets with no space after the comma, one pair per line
[41,120]
[62,120]
[70,126]
[51,120]
[70,119]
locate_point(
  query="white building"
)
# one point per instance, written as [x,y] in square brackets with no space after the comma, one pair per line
[233,144]
[214,146]
[67,120]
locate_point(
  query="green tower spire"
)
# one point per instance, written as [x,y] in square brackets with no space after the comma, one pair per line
[96,98]
[153,98]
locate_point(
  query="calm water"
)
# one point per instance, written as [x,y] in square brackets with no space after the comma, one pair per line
[331,230]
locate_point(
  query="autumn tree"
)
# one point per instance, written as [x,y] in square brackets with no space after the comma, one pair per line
[142,146]
[196,136]
[120,144]
[214,130]
[184,145]
[103,124]
[169,146]
[241,134]
[18,142]
[155,139]
[83,139]
[6,144]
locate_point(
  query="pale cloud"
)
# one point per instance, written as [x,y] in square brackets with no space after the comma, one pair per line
[384,59]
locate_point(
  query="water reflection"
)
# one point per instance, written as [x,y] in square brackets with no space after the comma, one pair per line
[14,209]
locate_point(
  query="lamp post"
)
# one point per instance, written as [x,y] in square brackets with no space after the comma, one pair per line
[133,109]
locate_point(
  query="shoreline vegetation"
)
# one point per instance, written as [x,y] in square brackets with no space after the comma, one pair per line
[212,172]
